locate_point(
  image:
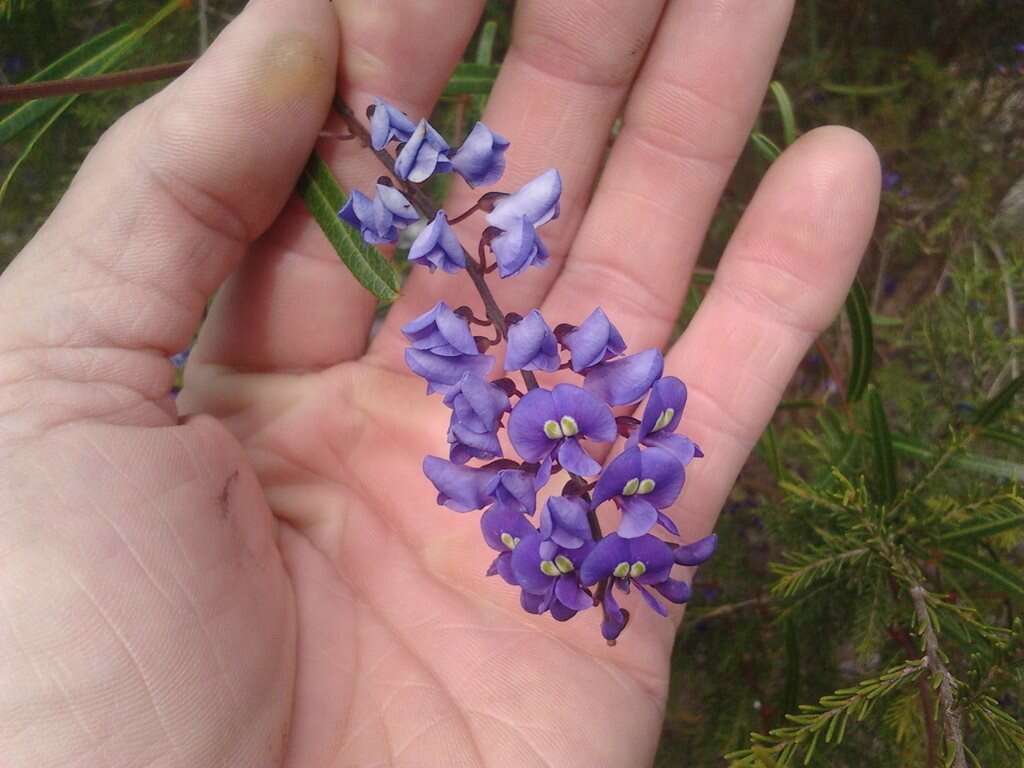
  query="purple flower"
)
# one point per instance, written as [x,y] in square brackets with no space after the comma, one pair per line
[662,413]
[564,521]
[441,372]
[481,158]
[518,248]
[531,345]
[442,331]
[443,349]
[643,562]
[476,408]
[891,180]
[503,528]
[642,482]
[625,380]
[546,421]
[387,123]
[437,246]
[696,553]
[459,488]
[517,489]
[548,575]
[615,618]
[424,154]
[379,220]
[536,201]
[178,359]
[593,341]
[1019,48]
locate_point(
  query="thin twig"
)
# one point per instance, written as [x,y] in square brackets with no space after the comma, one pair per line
[1012,318]
[924,696]
[950,712]
[108,82]
[204,25]
[727,610]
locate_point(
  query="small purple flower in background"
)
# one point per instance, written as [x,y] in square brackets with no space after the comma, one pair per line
[436,246]
[531,345]
[625,380]
[379,220]
[424,154]
[459,488]
[593,341]
[179,359]
[443,349]
[641,562]
[661,417]
[481,158]
[476,408]
[549,576]
[564,521]
[642,482]
[503,528]
[387,123]
[891,180]
[1019,48]
[518,248]
[546,422]
[536,201]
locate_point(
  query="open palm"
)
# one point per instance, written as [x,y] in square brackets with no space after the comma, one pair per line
[269,582]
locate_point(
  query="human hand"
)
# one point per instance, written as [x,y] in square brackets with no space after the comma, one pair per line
[269,582]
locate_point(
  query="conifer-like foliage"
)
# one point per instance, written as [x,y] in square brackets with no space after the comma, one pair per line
[864,607]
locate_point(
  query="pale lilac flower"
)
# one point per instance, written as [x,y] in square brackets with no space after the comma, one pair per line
[387,123]
[662,413]
[531,345]
[517,248]
[642,482]
[437,246]
[536,201]
[593,341]
[626,379]
[481,158]
[424,154]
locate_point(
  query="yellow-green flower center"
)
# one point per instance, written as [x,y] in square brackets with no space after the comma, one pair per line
[569,426]
[635,485]
[621,570]
[564,564]
[564,427]
[663,419]
[548,568]
[509,540]
[637,569]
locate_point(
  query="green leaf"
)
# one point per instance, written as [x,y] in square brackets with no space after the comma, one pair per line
[324,198]
[791,690]
[485,48]
[471,78]
[789,129]
[30,145]
[864,90]
[769,449]
[1012,439]
[91,58]
[863,341]
[881,443]
[68,65]
[768,149]
[998,403]
[984,529]
[993,572]
[973,462]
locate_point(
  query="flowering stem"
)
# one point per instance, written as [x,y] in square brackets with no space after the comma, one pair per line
[422,203]
[109,82]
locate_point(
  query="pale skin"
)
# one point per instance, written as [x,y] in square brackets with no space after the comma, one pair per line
[258,575]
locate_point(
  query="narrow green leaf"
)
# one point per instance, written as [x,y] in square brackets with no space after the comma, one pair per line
[984,529]
[864,90]
[998,403]
[764,757]
[769,449]
[881,443]
[768,149]
[863,341]
[324,198]
[485,48]
[993,572]
[471,78]
[96,60]
[789,129]
[71,64]
[30,145]
[1012,439]
[972,462]
[791,689]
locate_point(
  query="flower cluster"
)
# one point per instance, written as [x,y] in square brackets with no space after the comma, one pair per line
[549,545]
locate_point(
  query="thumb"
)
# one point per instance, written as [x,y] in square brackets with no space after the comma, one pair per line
[166,204]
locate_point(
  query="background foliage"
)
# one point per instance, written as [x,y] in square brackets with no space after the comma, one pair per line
[866,598]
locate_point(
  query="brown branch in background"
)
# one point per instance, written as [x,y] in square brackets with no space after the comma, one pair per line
[74,85]
[924,696]
[947,700]
[833,369]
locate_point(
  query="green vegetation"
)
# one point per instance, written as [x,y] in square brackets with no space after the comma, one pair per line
[865,604]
